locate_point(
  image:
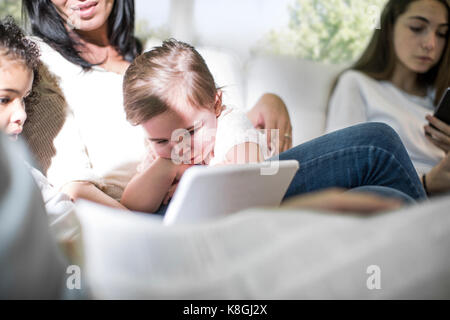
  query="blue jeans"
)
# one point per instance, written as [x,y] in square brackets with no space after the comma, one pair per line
[369,154]
[368,157]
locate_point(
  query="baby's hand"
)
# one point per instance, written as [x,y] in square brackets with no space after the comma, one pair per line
[147,160]
[180,169]
[170,193]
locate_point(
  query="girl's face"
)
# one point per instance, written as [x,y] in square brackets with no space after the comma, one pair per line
[84,15]
[16,81]
[199,125]
[420,35]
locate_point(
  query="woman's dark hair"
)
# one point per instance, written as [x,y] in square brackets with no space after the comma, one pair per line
[16,46]
[47,24]
[379,59]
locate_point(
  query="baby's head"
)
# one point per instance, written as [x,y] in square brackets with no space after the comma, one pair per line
[19,62]
[171,88]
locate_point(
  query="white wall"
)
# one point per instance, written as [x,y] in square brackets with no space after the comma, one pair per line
[232,24]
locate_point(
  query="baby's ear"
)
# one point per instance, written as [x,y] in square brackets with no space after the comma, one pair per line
[218,107]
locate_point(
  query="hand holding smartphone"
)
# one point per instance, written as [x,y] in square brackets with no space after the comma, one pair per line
[443,109]
[440,137]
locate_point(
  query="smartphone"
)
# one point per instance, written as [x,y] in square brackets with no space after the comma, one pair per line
[443,109]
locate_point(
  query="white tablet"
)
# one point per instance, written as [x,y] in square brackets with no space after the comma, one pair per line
[206,193]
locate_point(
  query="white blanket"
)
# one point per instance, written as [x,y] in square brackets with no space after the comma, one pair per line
[269,254]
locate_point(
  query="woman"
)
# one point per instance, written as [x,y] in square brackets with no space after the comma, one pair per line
[399,80]
[95,149]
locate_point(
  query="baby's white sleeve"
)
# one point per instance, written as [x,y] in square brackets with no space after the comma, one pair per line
[234,128]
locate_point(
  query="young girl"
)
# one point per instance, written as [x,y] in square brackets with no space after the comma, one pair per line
[19,64]
[171,93]
[399,80]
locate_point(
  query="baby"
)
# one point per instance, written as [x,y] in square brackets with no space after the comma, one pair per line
[171,93]
[19,64]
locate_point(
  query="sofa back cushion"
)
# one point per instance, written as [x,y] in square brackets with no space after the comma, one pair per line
[227,69]
[303,85]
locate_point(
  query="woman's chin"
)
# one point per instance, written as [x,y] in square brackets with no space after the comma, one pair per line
[88,25]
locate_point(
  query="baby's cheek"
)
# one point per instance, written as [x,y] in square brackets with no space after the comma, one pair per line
[166,154]
[162,151]
[208,137]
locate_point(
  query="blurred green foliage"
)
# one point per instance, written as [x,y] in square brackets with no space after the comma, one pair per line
[331,31]
[12,8]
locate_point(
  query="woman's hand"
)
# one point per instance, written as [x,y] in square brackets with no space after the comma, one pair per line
[438,179]
[441,137]
[270,112]
[339,201]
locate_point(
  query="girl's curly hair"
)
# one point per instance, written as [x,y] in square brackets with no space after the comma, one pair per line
[15,45]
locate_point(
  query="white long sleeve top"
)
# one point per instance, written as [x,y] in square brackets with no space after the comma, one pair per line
[359,98]
[96,143]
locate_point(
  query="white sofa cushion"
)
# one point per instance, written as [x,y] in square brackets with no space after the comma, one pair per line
[228,72]
[303,85]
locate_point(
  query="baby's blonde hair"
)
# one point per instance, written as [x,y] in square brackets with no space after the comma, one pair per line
[158,79]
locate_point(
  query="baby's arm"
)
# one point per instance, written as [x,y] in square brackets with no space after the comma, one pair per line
[147,189]
[248,152]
